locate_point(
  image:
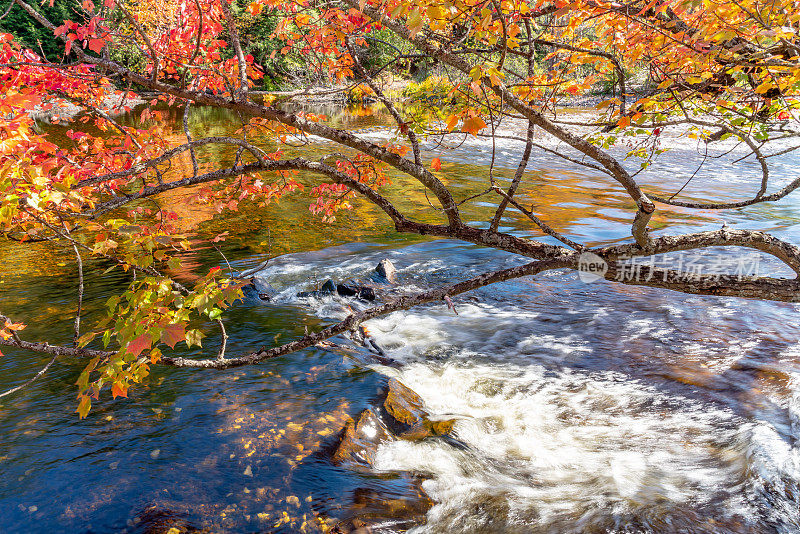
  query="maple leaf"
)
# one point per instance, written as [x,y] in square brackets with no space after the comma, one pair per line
[96,45]
[84,405]
[15,326]
[119,389]
[473,125]
[173,333]
[255,8]
[452,122]
[139,344]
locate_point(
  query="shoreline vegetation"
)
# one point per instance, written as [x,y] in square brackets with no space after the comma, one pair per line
[395,90]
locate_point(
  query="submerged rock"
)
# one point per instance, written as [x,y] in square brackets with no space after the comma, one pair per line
[362,438]
[343,290]
[371,510]
[252,290]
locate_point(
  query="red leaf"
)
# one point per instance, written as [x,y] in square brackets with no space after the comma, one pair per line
[173,334]
[139,344]
[436,164]
[96,45]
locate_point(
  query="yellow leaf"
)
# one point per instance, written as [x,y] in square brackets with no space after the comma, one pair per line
[84,405]
[764,87]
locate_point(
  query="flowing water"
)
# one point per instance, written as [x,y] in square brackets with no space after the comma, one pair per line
[578,407]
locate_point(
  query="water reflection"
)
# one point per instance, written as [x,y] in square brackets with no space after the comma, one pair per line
[578,408]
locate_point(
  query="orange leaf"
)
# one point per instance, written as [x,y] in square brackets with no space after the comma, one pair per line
[473,125]
[452,121]
[96,45]
[255,8]
[436,164]
[119,390]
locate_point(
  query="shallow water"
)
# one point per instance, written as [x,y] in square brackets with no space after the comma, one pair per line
[578,407]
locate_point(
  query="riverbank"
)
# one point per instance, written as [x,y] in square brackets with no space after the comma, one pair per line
[113,105]
[394,88]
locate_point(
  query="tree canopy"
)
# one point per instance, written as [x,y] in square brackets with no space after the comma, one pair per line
[727,71]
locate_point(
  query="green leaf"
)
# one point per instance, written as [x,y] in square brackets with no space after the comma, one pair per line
[86,338]
[193,337]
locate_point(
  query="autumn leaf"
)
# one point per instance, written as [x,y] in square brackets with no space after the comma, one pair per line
[194,337]
[139,344]
[173,333]
[84,405]
[96,45]
[86,338]
[473,125]
[255,8]
[15,326]
[220,237]
[452,122]
[764,87]
[119,389]
[436,164]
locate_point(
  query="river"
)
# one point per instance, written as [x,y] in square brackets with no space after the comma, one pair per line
[578,407]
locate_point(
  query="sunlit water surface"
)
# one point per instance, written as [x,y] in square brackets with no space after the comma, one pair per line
[579,407]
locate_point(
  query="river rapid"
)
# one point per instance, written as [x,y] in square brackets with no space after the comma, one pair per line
[578,407]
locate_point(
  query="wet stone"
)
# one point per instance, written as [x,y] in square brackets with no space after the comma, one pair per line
[372,510]
[406,407]
[387,270]
[403,404]
[362,438]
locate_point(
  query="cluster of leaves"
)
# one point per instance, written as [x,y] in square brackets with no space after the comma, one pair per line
[32,35]
[152,312]
[332,197]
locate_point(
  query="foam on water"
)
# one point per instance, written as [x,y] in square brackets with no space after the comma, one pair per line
[543,446]
[564,451]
